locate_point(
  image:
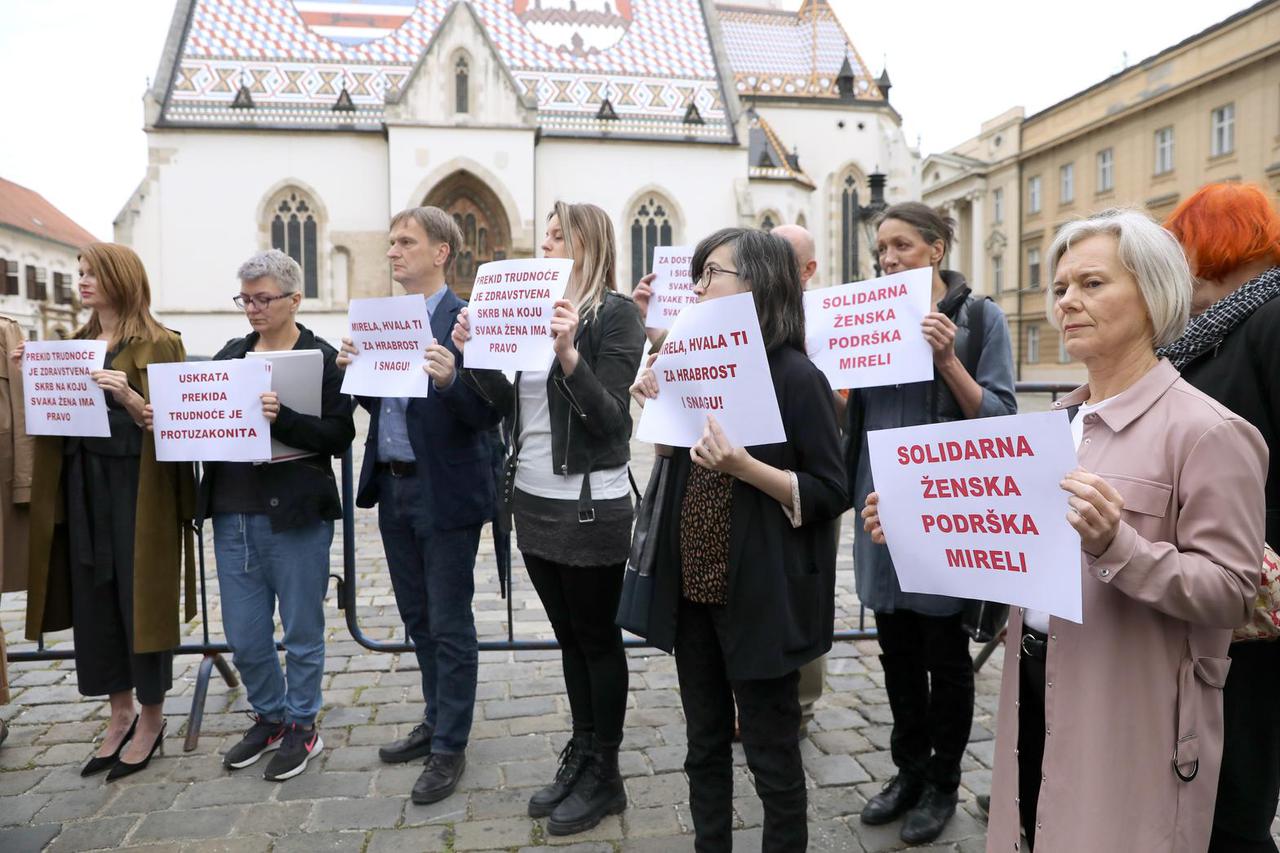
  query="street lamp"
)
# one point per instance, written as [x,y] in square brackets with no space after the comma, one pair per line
[867,214]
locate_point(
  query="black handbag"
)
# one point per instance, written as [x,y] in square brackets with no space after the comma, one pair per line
[635,603]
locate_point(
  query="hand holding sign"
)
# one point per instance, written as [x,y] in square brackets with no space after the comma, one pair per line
[440,365]
[1095,510]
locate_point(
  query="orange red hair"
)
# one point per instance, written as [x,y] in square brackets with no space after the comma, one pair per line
[1222,227]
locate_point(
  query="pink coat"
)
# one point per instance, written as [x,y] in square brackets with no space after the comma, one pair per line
[1137,689]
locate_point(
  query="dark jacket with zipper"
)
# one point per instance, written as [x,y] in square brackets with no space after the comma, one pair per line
[591,409]
[301,491]
[781,599]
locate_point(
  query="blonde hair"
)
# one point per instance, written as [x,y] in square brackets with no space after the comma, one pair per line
[588,234]
[122,281]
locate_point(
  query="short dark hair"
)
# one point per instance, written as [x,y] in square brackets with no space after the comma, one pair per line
[768,266]
[931,224]
[438,226]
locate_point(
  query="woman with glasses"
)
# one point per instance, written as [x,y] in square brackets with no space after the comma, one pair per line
[109,523]
[745,582]
[572,504]
[272,528]
[928,672]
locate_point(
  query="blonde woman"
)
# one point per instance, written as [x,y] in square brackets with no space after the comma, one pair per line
[572,507]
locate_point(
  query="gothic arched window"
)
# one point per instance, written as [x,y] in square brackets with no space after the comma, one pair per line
[850,222]
[461,78]
[650,227]
[768,222]
[296,232]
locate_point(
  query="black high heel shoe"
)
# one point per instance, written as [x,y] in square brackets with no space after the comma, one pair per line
[124,768]
[101,762]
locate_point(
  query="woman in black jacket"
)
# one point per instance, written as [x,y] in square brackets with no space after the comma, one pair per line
[572,504]
[272,529]
[1231,351]
[745,582]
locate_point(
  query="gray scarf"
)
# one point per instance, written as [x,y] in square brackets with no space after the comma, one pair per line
[1205,332]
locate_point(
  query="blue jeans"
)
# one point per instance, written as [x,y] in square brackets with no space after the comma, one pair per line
[256,569]
[432,575]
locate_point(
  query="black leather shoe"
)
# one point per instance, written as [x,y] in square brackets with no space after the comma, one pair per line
[440,778]
[572,759]
[122,768]
[416,745]
[893,801]
[597,793]
[927,819]
[99,763]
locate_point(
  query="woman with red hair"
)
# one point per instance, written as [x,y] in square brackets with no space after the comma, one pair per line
[1231,351]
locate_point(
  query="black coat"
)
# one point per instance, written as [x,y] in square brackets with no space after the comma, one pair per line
[781,600]
[1243,374]
[591,409]
[302,491]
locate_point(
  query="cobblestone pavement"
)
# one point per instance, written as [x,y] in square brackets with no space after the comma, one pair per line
[348,801]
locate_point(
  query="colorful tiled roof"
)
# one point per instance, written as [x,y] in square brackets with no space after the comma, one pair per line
[775,53]
[651,58]
[768,158]
[27,210]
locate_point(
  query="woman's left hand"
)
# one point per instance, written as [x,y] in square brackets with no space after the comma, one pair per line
[1095,510]
[716,452]
[117,383]
[270,406]
[564,325]
[940,332]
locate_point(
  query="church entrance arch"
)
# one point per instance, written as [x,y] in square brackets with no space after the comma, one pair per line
[486,233]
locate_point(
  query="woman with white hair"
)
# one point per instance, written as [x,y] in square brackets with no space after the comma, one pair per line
[1110,732]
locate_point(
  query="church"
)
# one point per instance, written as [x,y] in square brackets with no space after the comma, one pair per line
[304,124]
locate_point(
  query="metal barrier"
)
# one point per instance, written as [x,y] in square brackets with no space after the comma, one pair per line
[212,653]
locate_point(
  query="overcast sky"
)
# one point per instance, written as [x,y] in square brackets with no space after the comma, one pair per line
[74,72]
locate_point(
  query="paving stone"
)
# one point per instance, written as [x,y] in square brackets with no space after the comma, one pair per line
[20,781]
[423,839]
[93,835]
[273,818]
[241,788]
[831,770]
[640,822]
[879,765]
[525,774]
[316,786]
[568,845]
[661,790]
[450,810]
[183,825]
[660,844]
[28,839]
[15,811]
[75,805]
[491,834]
[239,844]
[509,802]
[352,758]
[505,709]
[842,742]
[364,813]
[666,758]
[321,842]
[833,836]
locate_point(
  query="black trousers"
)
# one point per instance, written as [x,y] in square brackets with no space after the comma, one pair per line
[1249,785]
[581,602]
[928,675]
[769,720]
[1031,676]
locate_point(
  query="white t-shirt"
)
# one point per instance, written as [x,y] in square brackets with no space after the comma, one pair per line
[535,474]
[1038,619]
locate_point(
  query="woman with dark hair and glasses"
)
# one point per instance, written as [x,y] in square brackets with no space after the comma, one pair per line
[745,586]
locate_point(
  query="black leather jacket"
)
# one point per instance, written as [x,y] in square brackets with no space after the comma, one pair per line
[591,409]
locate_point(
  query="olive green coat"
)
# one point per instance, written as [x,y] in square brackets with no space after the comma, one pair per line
[163,536]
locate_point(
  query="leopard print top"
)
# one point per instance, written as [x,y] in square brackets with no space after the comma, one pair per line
[704,536]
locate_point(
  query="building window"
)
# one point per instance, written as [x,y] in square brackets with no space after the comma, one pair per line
[1033,344]
[1033,195]
[295,231]
[37,283]
[1164,150]
[1223,139]
[767,222]
[1067,183]
[10,278]
[997,273]
[461,76]
[62,288]
[1033,269]
[1063,356]
[1106,170]
[997,206]
[850,221]
[650,228]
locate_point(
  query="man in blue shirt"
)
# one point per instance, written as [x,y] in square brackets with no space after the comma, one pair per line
[427,469]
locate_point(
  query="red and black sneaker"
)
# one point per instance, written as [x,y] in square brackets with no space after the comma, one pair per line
[263,736]
[298,747]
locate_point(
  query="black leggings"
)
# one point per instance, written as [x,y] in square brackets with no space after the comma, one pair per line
[582,602]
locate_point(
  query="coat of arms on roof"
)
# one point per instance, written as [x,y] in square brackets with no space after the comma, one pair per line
[578,26]
[354,22]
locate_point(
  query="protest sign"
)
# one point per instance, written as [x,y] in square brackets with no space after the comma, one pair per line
[211,411]
[868,333]
[973,509]
[297,377]
[510,312]
[672,286]
[391,335]
[61,397]
[713,363]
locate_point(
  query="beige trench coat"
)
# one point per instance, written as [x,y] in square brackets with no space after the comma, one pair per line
[1137,689]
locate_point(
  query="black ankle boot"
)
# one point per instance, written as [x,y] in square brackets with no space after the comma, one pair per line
[893,801]
[572,759]
[929,817]
[597,793]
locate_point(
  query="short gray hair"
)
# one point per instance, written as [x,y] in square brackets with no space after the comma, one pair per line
[1150,253]
[274,264]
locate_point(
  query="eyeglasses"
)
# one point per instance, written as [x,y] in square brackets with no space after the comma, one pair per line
[710,271]
[262,303]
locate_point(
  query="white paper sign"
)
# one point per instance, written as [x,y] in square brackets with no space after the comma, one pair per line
[510,312]
[60,396]
[672,286]
[391,334]
[973,509]
[211,411]
[713,363]
[868,333]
